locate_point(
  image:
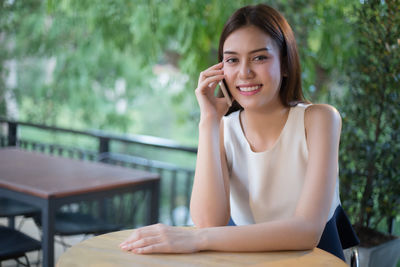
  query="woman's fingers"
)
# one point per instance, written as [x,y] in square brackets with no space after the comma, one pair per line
[160,238]
[142,237]
[209,82]
[211,71]
[142,243]
[141,233]
[210,105]
[217,66]
[156,248]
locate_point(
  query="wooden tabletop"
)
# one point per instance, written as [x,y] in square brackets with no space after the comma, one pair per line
[47,176]
[103,251]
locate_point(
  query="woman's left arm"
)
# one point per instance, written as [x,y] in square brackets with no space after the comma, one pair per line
[323,126]
[302,231]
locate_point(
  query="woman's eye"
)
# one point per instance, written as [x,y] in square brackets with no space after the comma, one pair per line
[231,60]
[259,58]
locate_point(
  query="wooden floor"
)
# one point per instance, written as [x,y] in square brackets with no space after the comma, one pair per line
[29,228]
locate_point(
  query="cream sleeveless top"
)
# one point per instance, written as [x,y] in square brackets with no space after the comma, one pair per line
[266,186]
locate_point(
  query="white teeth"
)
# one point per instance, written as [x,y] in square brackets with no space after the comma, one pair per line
[248,89]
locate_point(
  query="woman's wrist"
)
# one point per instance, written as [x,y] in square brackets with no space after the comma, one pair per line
[209,120]
[201,237]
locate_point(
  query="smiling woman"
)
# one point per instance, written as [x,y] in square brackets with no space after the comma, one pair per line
[280,37]
[252,67]
[270,165]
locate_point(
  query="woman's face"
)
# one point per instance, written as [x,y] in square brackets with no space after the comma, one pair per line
[252,68]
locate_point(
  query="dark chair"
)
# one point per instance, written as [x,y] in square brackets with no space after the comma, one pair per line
[68,223]
[77,223]
[14,244]
[338,235]
[10,208]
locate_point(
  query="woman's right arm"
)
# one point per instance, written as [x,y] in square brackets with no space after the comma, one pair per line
[209,204]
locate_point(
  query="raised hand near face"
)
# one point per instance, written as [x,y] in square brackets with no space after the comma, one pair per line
[211,106]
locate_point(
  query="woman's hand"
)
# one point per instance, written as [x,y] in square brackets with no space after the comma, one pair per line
[160,238]
[211,106]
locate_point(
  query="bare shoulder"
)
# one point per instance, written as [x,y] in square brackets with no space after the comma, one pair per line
[322,114]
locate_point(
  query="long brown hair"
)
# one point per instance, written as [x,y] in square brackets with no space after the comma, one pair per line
[275,25]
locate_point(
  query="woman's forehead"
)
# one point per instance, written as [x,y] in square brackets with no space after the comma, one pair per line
[247,39]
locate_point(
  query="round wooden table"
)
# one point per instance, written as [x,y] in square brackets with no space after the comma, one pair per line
[103,251]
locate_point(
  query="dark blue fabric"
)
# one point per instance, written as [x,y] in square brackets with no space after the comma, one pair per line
[338,234]
[330,240]
[231,222]
[348,238]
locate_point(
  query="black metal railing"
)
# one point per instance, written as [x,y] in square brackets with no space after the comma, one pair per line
[174,162]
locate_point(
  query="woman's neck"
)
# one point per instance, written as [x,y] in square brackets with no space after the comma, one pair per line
[262,128]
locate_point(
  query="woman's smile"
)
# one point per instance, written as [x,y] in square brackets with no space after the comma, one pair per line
[249,89]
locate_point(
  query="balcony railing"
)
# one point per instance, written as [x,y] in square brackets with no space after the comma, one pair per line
[174,163]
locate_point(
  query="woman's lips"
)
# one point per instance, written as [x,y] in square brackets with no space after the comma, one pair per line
[249,89]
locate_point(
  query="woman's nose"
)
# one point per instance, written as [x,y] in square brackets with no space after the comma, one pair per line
[245,71]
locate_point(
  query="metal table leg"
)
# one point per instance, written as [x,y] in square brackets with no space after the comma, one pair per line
[48,212]
[154,202]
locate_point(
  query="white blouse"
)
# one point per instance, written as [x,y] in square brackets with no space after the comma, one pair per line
[266,185]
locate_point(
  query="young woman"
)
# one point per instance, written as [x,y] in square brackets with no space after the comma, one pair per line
[270,164]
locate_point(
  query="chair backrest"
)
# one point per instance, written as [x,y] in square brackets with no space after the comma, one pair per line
[10,208]
[14,244]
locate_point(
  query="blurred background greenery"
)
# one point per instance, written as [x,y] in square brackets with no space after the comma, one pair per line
[130,67]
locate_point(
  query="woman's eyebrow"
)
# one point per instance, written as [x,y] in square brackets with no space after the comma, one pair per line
[251,52]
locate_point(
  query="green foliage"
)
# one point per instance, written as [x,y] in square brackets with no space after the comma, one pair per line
[94,44]
[325,42]
[370,143]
